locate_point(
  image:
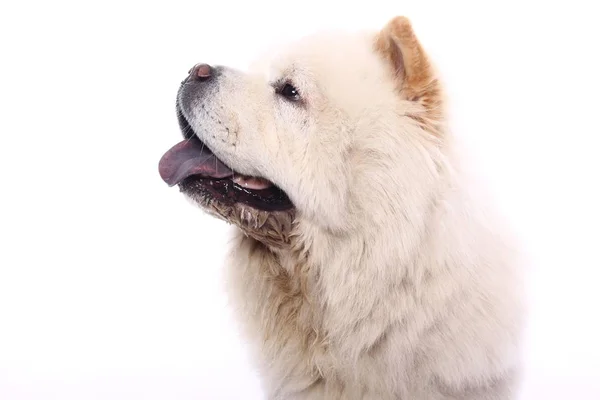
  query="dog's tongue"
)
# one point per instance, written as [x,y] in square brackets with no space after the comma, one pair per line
[191,157]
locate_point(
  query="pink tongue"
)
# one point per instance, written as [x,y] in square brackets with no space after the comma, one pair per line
[191,157]
[251,182]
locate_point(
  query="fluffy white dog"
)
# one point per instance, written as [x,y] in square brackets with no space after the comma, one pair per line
[363,267]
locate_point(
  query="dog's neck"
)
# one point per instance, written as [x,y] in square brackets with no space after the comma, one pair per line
[321,263]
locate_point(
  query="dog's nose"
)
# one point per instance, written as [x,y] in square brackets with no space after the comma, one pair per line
[199,72]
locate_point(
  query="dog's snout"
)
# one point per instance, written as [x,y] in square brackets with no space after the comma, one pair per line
[199,73]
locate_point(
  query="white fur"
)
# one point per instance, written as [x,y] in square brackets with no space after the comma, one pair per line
[401,283]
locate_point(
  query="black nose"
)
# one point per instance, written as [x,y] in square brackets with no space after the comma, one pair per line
[199,72]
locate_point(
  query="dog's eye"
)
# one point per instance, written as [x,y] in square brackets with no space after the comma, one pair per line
[289,92]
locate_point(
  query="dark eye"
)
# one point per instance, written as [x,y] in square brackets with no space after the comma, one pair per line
[289,92]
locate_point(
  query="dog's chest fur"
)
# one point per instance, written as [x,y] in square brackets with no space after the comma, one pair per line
[281,312]
[279,299]
[307,347]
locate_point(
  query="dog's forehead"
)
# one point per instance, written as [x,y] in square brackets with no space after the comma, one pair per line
[315,54]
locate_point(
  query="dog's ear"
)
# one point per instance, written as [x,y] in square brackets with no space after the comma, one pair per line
[415,77]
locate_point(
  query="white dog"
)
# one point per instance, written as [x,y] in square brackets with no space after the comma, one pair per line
[363,267]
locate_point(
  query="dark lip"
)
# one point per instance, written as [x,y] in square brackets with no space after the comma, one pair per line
[225,190]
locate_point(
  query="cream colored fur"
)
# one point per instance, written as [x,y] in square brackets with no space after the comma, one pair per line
[398,281]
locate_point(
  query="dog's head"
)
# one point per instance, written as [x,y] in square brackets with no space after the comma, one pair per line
[337,131]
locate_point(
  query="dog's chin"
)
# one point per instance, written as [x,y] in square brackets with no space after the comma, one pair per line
[221,198]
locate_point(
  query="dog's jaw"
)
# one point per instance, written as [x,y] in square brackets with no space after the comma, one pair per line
[274,229]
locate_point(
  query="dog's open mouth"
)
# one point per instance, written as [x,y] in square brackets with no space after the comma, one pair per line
[197,170]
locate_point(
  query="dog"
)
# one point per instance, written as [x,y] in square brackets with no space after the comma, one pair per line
[364,264]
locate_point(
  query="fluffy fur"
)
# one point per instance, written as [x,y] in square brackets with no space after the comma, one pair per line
[391,279]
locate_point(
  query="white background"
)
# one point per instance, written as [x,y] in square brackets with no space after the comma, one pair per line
[110,281]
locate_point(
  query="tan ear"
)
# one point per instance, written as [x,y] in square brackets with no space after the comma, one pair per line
[414,74]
